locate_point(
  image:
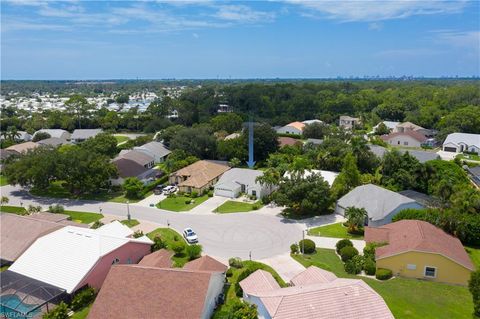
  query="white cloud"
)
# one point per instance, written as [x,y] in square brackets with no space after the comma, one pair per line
[375,26]
[242,13]
[377,10]
[458,38]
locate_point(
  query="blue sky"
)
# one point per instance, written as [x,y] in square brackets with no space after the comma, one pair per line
[231,39]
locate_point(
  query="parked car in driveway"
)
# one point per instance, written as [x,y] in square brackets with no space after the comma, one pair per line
[190,236]
[158,190]
[169,190]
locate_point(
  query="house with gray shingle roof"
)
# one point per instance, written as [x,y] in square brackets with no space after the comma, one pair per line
[134,163]
[380,203]
[462,142]
[80,135]
[241,180]
[155,149]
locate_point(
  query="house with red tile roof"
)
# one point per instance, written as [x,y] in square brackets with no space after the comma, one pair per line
[205,263]
[315,293]
[292,128]
[417,249]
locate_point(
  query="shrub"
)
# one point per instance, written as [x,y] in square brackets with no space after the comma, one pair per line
[343,243]
[188,201]
[157,244]
[82,298]
[348,252]
[177,247]
[369,251]
[138,234]
[243,310]
[229,272]
[56,209]
[235,262]
[97,224]
[255,206]
[294,249]
[59,312]
[355,265]
[194,194]
[244,274]
[210,194]
[193,251]
[370,267]
[383,274]
[474,287]
[307,245]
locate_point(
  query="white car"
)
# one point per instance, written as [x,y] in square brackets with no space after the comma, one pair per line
[169,189]
[190,236]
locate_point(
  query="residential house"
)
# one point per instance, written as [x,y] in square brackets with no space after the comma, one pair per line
[407,127]
[80,135]
[161,259]
[58,133]
[241,180]
[147,291]
[348,122]
[232,136]
[474,173]
[288,141]
[295,128]
[19,232]
[199,176]
[421,156]
[417,249]
[72,257]
[380,203]
[314,293]
[155,149]
[462,142]
[134,163]
[405,139]
[314,121]
[328,176]
[21,148]
[314,141]
[52,141]
[21,136]
[391,125]
[224,108]
[421,198]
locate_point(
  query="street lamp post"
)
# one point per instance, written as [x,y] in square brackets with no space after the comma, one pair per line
[128,210]
[303,241]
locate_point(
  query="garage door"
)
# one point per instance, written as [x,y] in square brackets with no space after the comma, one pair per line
[450,149]
[224,192]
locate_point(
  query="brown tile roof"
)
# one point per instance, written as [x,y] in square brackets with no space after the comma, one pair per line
[205,263]
[22,147]
[416,235]
[132,291]
[413,134]
[313,275]
[259,281]
[201,173]
[19,232]
[161,258]
[284,141]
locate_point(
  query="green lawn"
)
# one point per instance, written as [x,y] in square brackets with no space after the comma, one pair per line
[170,236]
[13,210]
[83,313]
[58,190]
[472,157]
[83,217]
[334,230]
[231,206]
[177,203]
[121,139]
[406,298]
[130,223]
[3,180]
[223,311]
[474,253]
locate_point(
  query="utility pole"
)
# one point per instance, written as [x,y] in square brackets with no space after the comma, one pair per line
[128,210]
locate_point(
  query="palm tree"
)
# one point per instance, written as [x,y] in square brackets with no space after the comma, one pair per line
[355,218]
[12,133]
[4,200]
[271,177]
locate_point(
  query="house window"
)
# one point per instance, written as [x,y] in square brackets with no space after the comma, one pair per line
[398,142]
[430,272]
[405,143]
[115,261]
[254,193]
[129,261]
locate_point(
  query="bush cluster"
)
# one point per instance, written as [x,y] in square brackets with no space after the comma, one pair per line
[56,209]
[235,262]
[59,312]
[193,251]
[82,298]
[383,274]
[307,245]
[294,249]
[229,272]
[348,253]
[97,224]
[355,265]
[343,243]
[370,267]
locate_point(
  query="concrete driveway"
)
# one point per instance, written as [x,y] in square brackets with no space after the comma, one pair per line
[152,199]
[262,233]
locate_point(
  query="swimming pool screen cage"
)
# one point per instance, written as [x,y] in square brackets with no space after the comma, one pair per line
[22,296]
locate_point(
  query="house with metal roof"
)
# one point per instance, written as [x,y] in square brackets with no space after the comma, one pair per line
[314,293]
[241,180]
[462,142]
[58,133]
[417,249]
[80,135]
[380,203]
[72,257]
[155,149]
